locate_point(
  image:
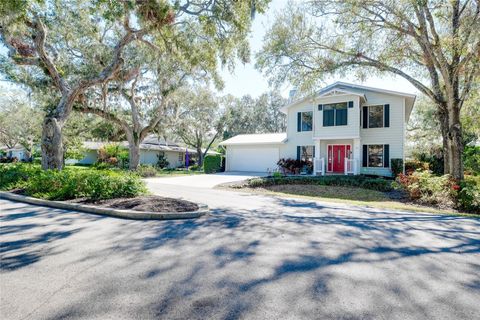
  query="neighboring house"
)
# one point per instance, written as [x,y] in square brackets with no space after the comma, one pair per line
[344,129]
[151,147]
[18,152]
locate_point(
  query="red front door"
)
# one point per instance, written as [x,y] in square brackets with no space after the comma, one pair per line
[336,157]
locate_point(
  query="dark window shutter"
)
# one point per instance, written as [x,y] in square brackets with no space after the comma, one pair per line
[298,152]
[365,156]
[386,115]
[299,121]
[313,155]
[365,117]
[386,155]
[320,107]
[341,117]
[350,104]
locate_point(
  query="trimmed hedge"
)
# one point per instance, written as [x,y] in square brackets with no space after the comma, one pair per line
[397,166]
[378,184]
[71,184]
[212,163]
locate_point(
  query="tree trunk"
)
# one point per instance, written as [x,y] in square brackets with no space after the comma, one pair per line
[455,142]
[442,116]
[200,156]
[133,155]
[52,145]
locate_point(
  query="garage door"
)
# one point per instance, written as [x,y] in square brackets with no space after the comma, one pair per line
[256,159]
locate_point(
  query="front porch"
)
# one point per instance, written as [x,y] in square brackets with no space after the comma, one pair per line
[337,156]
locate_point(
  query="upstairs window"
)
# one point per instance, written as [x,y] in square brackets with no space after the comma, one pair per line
[304,121]
[335,114]
[377,116]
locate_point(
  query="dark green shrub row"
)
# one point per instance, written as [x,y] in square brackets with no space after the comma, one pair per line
[379,184]
[212,163]
[71,184]
[15,175]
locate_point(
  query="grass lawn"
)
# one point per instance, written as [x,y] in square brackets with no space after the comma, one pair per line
[175,173]
[348,195]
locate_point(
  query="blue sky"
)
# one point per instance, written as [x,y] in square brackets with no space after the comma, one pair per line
[247,80]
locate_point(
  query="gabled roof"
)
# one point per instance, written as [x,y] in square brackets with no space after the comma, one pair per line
[263,138]
[355,89]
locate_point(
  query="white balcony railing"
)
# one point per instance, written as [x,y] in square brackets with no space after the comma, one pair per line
[351,166]
[318,166]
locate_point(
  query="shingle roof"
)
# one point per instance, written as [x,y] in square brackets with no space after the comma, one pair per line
[264,138]
[95,145]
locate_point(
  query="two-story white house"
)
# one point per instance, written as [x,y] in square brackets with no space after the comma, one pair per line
[343,129]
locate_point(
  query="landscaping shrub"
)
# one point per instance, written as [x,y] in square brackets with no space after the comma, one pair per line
[194,167]
[146,171]
[212,163]
[70,184]
[113,154]
[294,166]
[427,188]
[471,159]
[469,194]
[414,165]
[162,162]
[397,166]
[16,174]
[379,184]
[433,157]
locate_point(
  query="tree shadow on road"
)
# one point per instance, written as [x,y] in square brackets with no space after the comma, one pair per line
[292,260]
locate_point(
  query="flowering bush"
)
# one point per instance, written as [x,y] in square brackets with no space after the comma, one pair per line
[427,188]
[413,165]
[443,191]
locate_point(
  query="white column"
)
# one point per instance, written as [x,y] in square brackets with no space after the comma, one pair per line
[357,155]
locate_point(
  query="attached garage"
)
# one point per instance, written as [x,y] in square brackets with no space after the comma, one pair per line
[253,152]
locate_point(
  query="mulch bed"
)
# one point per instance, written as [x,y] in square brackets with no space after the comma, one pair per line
[144,203]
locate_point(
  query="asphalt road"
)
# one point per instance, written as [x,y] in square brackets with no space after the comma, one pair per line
[254,257]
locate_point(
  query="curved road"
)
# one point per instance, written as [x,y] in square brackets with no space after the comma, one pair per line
[254,257]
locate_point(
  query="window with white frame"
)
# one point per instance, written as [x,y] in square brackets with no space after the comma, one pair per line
[375,116]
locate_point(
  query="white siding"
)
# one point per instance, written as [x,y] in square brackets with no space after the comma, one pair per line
[351,130]
[294,138]
[151,157]
[393,135]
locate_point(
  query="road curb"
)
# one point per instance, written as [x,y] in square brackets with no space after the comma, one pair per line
[118,213]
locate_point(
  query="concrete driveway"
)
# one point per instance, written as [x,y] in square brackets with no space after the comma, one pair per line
[205,180]
[254,257]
